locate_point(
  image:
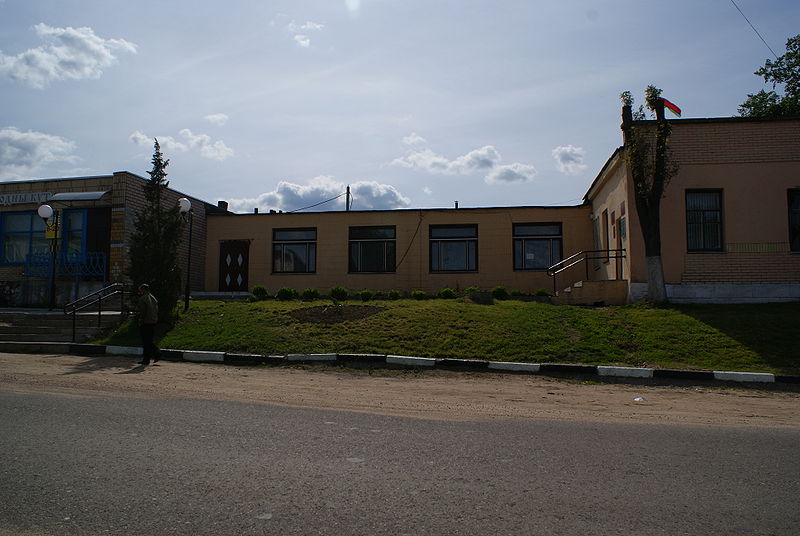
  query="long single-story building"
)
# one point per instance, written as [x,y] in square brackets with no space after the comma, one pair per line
[730,223]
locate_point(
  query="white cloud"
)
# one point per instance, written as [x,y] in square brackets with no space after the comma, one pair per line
[291,196]
[511,173]
[309,25]
[300,31]
[138,138]
[478,160]
[22,153]
[427,190]
[569,159]
[302,40]
[486,159]
[414,139]
[217,119]
[71,53]
[215,150]
[208,148]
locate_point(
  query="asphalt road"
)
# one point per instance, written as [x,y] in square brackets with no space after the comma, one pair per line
[118,465]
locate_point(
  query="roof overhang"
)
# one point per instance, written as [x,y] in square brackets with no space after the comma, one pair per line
[78,196]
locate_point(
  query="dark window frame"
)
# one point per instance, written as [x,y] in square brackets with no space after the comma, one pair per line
[519,238]
[279,245]
[703,223]
[30,232]
[360,243]
[794,219]
[470,242]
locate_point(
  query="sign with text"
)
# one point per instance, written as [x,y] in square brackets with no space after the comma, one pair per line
[20,199]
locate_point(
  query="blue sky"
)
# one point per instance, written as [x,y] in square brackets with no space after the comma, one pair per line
[281,104]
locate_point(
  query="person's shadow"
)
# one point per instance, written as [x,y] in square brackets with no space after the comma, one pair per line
[137,369]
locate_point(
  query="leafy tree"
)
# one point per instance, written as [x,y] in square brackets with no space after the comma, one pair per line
[784,70]
[651,170]
[154,242]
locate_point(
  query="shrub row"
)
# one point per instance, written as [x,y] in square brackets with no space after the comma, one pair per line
[339,293]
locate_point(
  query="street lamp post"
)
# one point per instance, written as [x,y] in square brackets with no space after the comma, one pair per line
[46,212]
[186,210]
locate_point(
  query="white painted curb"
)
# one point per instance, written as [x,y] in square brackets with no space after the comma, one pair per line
[410,361]
[744,376]
[517,367]
[203,357]
[625,372]
[311,357]
[124,350]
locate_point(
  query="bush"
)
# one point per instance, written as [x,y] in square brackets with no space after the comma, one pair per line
[379,295]
[499,293]
[468,290]
[260,293]
[517,293]
[541,292]
[338,293]
[286,294]
[446,293]
[394,294]
[365,295]
[419,295]
[310,294]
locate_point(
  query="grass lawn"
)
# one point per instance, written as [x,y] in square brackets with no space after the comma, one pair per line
[755,337]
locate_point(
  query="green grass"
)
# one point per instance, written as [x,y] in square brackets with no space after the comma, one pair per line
[758,337]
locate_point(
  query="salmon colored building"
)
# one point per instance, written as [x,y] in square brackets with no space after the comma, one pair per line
[730,218]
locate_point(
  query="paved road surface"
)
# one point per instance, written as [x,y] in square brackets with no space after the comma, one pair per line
[104,464]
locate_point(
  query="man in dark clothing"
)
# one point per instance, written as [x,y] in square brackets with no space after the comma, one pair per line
[148,317]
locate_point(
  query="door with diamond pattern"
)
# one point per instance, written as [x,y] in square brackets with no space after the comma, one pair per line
[233,257]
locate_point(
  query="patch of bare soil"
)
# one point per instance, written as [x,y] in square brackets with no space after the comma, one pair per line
[333,314]
[439,395]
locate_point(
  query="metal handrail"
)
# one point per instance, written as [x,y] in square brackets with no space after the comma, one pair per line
[97,298]
[583,256]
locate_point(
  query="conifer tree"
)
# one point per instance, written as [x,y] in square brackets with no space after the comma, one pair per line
[152,253]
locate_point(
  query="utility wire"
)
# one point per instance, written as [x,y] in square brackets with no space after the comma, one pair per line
[754,29]
[317,204]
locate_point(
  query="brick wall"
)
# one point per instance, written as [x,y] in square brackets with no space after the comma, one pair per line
[732,140]
[762,263]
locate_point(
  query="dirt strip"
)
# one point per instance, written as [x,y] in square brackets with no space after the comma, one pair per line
[439,395]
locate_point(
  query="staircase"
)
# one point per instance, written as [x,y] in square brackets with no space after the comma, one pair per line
[610,292]
[53,326]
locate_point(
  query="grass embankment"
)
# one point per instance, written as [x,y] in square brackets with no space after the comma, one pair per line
[758,337]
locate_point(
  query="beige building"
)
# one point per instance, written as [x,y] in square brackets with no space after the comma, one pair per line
[393,249]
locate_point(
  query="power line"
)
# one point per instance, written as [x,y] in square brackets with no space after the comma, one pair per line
[317,204]
[754,29]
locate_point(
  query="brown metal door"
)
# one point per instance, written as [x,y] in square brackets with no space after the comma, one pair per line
[233,261]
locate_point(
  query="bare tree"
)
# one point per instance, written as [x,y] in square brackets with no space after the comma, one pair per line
[651,170]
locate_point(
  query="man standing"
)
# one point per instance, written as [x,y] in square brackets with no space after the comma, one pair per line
[148,316]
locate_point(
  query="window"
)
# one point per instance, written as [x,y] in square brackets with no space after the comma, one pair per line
[537,246]
[454,248]
[21,233]
[294,251]
[372,249]
[72,236]
[794,220]
[704,220]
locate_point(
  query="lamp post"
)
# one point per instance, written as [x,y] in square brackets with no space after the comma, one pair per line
[186,210]
[46,212]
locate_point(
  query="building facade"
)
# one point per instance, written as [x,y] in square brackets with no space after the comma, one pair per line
[95,218]
[730,218]
[730,224]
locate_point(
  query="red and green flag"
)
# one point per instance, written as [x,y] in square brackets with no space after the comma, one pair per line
[671,107]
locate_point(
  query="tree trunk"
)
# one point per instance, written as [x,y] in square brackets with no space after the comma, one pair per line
[656,288]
